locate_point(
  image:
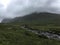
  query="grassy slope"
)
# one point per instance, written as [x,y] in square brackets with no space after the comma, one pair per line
[12,34]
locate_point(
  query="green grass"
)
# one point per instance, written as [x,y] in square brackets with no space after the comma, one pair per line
[12,34]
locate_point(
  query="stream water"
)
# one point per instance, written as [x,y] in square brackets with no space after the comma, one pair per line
[47,34]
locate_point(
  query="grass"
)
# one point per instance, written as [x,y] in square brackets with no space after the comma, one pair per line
[12,34]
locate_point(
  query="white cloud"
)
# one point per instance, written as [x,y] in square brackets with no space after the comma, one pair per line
[22,7]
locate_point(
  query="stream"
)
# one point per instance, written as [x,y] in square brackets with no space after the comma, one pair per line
[47,34]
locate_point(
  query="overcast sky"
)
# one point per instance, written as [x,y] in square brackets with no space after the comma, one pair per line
[13,8]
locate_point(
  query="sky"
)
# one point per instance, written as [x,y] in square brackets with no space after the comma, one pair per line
[15,8]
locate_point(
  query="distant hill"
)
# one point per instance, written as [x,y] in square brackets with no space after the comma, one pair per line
[42,18]
[6,20]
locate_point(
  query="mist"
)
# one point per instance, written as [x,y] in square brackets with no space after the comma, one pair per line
[16,8]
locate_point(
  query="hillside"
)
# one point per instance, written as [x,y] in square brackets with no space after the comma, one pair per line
[39,18]
[6,20]
[12,33]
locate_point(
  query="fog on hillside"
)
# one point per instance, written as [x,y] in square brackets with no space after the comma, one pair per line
[16,8]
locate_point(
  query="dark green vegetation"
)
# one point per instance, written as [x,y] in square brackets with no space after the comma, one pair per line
[38,19]
[12,34]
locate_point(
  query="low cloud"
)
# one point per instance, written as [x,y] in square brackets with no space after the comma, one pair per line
[22,7]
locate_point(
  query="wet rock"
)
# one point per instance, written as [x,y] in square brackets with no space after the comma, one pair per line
[44,34]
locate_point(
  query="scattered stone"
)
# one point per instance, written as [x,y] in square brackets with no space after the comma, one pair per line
[44,34]
[10,28]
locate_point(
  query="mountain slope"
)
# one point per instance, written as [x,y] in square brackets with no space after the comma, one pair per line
[6,20]
[42,18]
